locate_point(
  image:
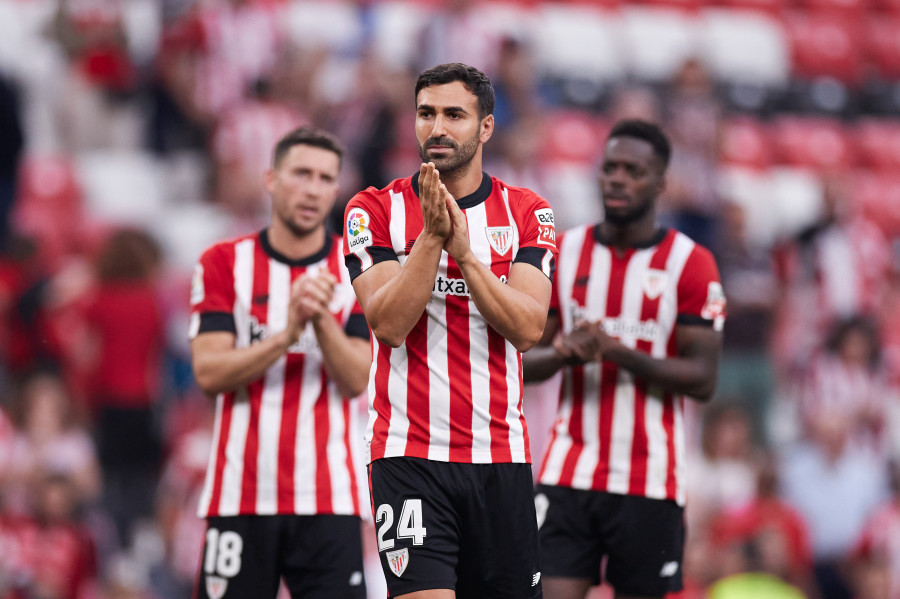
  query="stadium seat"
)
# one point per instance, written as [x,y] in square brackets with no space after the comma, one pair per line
[825,45]
[812,142]
[578,42]
[773,8]
[745,142]
[674,36]
[877,195]
[883,45]
[572,136]
[742,46]
[846,9]
[878,143]
[122,187]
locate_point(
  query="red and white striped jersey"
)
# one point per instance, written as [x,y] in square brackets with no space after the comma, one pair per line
[284,443]
[613,432]
[452,392]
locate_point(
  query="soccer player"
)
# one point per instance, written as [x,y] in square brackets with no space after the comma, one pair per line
[278,336]
[452,268]
[639,312]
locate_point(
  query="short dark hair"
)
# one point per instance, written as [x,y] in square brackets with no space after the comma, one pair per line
[306,136]
[646,131]
[474,80]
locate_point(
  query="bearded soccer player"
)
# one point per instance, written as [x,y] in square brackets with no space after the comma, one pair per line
[278,336]
[635,326]
[452,268]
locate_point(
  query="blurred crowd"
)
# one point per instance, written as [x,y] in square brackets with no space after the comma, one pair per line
[133,133]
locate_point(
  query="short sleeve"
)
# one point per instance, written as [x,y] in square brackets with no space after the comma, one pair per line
[366,234]
[212,293]
[701,298]
[537,234]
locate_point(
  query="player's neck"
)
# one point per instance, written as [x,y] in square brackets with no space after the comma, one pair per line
[293,246]
[628,235]
[466,180]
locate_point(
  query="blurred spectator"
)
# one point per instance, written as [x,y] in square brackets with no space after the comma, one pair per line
[847,379]
[877,552]
[835,484]
[49,440]
[835,268]
[635,102]
[693,119]
[725,473]
[12,142]
[757,565]
[458,32]
[126,339]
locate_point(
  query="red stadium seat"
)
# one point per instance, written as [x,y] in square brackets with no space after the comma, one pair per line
[813,142]
[745,142]
[877,195]
[573,136]
[825,45]
[772,7]
[883,45]
[878,143]
[848,9]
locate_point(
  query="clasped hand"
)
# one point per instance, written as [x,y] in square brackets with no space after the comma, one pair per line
[442,216]
[586,343]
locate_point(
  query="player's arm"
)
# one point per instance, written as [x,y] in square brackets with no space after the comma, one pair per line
[518,309]
[544,359]
[346,358]
[692,372]
[393,297]
[221,367]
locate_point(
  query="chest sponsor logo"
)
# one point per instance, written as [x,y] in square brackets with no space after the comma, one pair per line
[444,286]
[500,238]
[546,227]
[359,233]
[398,560]
[642,330]
[654,283]
[198,292]
[308,343]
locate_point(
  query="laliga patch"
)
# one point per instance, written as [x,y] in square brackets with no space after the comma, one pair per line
[197,290]
[216,586]
[714,308]
[359,235]
[546,227]
[654,283]
[398,560]
[500,238]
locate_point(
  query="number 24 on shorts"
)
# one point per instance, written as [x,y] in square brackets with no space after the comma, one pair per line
[409,526]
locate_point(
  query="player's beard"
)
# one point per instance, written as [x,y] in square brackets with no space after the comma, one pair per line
[455,164]
[632,214]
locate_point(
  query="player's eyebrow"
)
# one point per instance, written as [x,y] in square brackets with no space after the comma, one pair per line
[445,109]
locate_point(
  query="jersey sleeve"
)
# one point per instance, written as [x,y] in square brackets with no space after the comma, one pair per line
[366,235]
[212,293]
[701,298]
[357,326]
[537,234]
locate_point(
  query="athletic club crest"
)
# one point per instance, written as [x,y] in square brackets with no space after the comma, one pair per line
[398,560]
[500,238]
[654,283]
[216,587]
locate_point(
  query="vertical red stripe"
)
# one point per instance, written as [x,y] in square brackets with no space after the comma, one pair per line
[287,436]
[640,449]
[224,429]
[380,402]
[418,406]
[348,447]
[609,373]
[459,372]
[499,397]
[669,426]
[575,376]
[324,504]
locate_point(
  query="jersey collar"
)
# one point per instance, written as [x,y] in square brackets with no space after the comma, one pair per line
[276,255]
[471,200]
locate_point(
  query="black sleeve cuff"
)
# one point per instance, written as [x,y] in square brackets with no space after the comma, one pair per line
[693,319]
[357,327]
[378,254]
[535,257]
[217,321]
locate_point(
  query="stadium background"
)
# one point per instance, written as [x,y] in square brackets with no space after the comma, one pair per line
[134,133]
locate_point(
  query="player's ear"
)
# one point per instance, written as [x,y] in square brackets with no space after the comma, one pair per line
[269,180]
[487,128]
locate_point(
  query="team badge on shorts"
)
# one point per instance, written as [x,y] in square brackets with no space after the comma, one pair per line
[216,587]
[500,238]
[398,560]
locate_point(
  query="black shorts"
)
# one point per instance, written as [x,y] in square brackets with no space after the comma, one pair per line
[247,556]
[467,527]
[642,539]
